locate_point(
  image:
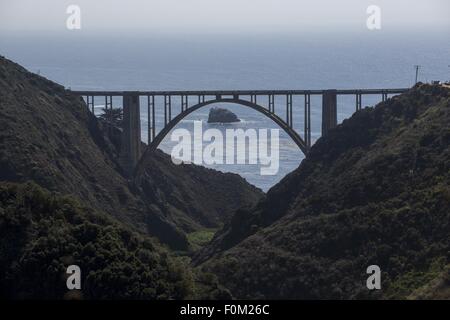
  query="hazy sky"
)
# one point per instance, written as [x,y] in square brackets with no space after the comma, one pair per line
[223,16]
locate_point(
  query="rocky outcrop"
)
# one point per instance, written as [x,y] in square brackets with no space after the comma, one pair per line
[219,115]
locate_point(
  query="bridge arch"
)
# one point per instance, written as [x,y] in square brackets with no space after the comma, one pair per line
[282,124]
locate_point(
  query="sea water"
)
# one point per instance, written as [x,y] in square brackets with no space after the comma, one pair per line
[236,62]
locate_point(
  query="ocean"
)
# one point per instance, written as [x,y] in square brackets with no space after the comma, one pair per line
[236,62]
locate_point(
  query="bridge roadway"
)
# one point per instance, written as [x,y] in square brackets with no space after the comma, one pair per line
[240,92]
[131,137]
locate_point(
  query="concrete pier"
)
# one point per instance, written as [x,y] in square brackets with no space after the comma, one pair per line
[329,111]
[130,151]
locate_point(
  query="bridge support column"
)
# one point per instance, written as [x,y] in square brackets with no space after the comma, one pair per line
[308,120]
[90,103]
[130,150]
[329,111]
[150,118]
[271,103]
[289,110]
[358,101]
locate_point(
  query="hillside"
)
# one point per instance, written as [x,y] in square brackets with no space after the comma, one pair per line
[375,191]
[193,197]
[43,233]
[49,137]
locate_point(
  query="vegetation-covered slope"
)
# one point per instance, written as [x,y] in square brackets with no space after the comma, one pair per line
[375,191]
[48,136]
[42,234]
[193,197]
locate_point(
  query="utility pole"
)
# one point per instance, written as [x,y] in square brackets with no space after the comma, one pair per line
[417,67]
[449,79]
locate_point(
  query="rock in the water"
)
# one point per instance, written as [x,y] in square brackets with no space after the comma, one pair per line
[219,115]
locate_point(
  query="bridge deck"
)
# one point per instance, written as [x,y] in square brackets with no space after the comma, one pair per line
[131,139]
[239,92]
